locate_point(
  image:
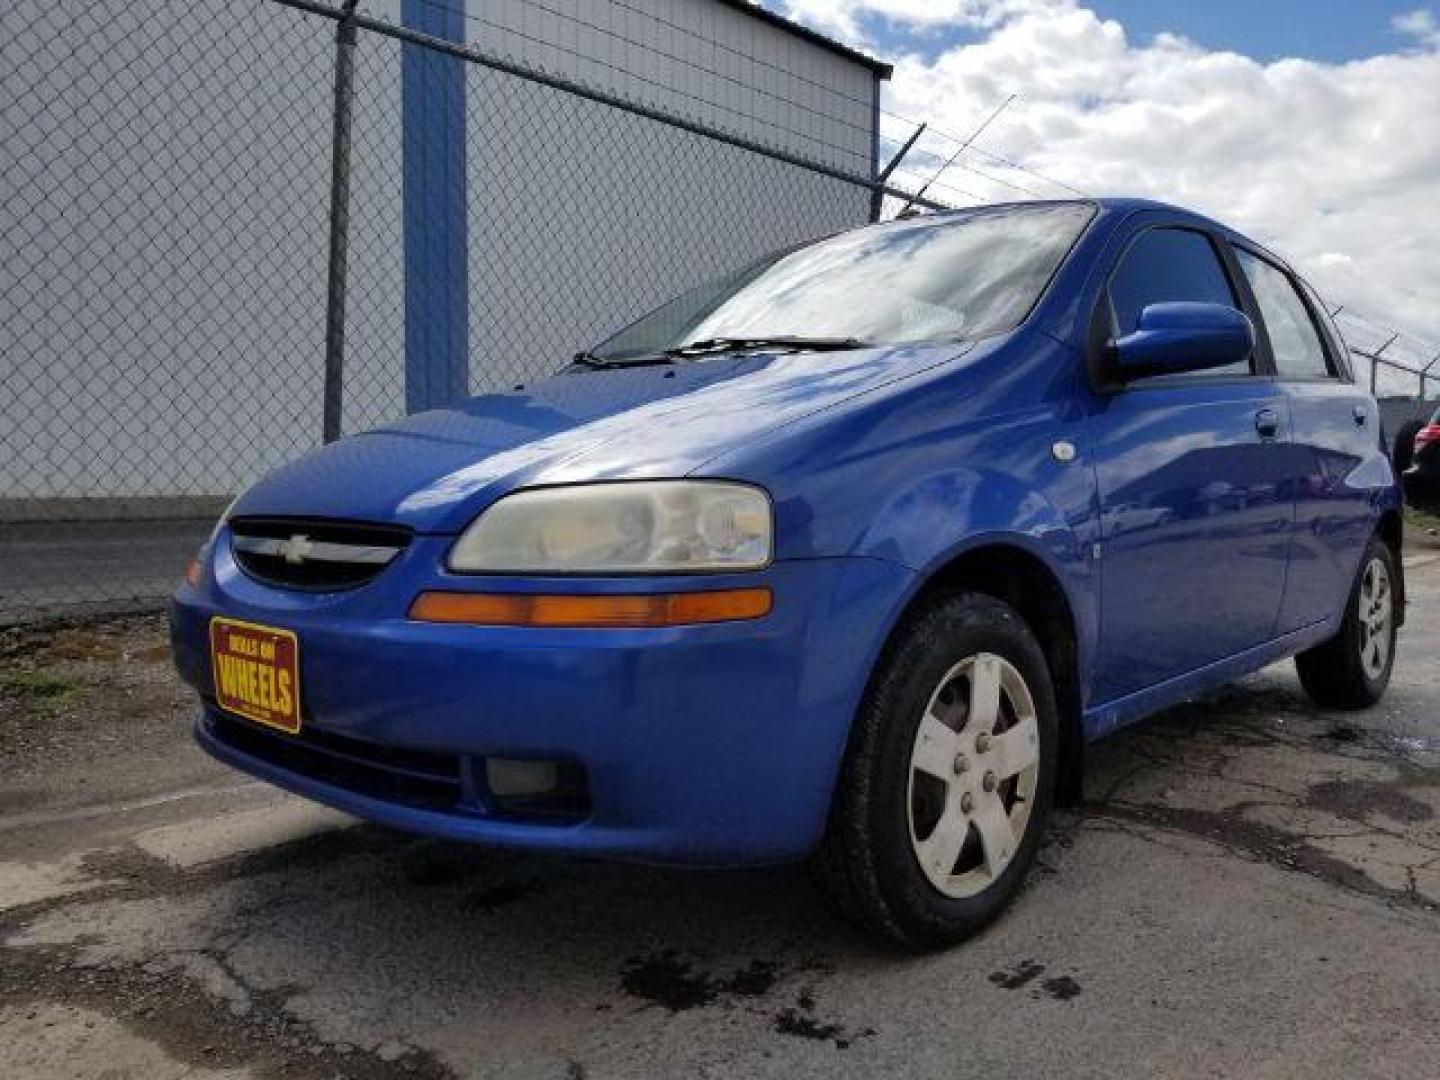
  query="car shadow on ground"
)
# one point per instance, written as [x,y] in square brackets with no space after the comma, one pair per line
[449,906]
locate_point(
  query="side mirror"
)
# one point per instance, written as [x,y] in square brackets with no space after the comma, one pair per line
[1184,336]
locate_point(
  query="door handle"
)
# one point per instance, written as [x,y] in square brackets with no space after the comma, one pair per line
[1267,423]
[1360,415]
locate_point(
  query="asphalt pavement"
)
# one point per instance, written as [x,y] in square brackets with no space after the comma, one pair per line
[1252,889]
[58,567]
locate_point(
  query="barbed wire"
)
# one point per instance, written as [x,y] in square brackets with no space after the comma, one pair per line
[1426,356]
[981,151]
[913,180]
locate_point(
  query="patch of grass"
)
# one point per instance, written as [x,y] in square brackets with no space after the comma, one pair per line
[1419,519]
[46,691]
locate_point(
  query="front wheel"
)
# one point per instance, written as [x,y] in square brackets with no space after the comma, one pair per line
[948,778]
[1352,669]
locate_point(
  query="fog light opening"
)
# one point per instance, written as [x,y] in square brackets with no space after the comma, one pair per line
[508,777]
[521,787]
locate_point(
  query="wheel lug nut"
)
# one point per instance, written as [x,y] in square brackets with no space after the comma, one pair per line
[962,764]
[967,803]
[989,783]
[982,743]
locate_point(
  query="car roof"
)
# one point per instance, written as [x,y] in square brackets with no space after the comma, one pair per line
[1134,205]
[1124,206]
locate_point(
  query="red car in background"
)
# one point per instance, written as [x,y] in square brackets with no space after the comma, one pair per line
[1422,476]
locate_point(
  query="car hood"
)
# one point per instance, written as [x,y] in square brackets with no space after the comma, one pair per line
[435,470]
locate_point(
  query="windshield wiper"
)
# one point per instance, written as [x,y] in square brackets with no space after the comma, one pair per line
[587,359]
[717,345]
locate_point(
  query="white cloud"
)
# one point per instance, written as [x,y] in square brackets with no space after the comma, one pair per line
[1419,23]
[1334,165]
[842,17]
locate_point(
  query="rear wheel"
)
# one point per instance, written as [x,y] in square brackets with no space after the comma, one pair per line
[948,780]
[1403,452]
[1352,669]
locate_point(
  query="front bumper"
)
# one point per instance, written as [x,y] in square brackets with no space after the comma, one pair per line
[710,744]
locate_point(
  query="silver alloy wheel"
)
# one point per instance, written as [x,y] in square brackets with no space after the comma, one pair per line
[1376,618]
[973,772]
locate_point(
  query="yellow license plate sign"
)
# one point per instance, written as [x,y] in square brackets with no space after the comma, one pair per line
[257,672]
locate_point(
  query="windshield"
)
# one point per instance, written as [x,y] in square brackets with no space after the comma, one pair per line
[964,275]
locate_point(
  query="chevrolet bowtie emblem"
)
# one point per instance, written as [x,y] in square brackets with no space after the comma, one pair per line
[297,548]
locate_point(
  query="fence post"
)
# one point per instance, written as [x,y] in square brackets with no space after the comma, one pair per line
[1425,373]
[1375,364]
[877,197]
[345,39]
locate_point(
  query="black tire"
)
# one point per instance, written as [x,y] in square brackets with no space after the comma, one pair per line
[866,864]
[1333,672]
[1402,452]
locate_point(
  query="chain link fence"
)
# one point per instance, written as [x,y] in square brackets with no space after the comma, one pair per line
[230,229]
[211,211]
[1390,363]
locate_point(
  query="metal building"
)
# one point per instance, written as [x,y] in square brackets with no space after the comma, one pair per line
[164,212]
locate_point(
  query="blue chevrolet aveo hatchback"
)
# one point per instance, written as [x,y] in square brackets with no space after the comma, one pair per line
[843,556]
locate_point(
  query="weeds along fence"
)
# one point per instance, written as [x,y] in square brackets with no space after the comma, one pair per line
[233,229]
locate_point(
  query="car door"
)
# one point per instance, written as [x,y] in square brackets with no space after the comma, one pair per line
[1195,506]
[1335,432]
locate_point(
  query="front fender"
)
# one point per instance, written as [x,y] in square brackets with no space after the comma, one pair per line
[944,517]
[955,458]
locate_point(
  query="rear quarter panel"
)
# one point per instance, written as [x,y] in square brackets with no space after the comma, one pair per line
[1346,483]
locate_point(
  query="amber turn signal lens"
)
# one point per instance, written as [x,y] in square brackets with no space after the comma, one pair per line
[192,573]
[652,609]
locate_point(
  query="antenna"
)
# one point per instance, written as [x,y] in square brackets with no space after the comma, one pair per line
[963,147]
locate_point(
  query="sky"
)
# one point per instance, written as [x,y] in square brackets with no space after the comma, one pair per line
[1313,127]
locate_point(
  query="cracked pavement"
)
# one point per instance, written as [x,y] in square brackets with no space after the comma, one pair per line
[1252,889]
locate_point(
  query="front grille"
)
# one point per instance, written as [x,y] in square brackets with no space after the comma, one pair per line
[315,556]
[419,778]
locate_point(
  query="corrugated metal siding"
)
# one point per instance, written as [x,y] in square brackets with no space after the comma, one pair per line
[615,214]
[154,181]
[163,210]
[621,212]
[697,58]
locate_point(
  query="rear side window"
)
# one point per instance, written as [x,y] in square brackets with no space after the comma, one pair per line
[1293,337]
[1164,265]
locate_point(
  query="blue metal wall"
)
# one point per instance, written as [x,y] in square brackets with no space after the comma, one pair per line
[436,235]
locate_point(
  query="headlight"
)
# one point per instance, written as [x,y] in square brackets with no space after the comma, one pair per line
[631,527]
